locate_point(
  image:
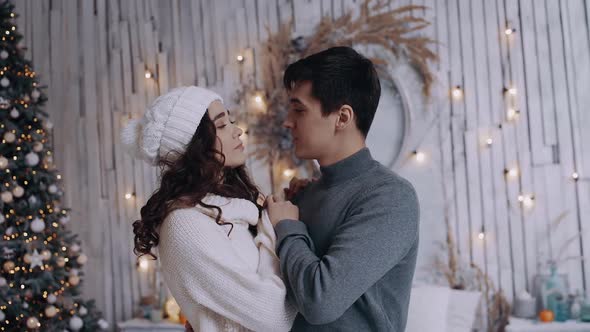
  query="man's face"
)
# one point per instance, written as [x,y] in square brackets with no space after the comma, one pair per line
[313,133]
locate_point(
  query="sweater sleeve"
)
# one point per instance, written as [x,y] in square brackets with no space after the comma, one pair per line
[204,270]
[376,235]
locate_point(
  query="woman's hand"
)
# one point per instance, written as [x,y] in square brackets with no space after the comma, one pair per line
[280,210]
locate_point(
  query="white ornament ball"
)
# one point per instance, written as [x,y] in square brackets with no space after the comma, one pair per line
[38,147]
[6,197]
[18,192]
[51,298]
[37,225]
[9,137]
[3,56]
[50,311]
[36,94]
[74,280]
[76,323]
[33,323]
[14,113]
[33,200]
[52,189]
[25,305]
[75,248]
[82,259]
[2,284]
[2,219]
[9,231]
[64,220]
[4,82]
[103,324]
[74,272]
[32,159]
[46,254]
[2,315]
[82,311]
[3,162]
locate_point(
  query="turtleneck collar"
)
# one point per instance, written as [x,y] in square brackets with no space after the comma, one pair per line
[347,168]
[233,209]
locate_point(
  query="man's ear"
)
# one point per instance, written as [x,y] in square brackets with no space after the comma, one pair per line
[345,117]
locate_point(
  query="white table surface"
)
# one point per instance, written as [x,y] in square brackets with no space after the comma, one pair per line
[528,325]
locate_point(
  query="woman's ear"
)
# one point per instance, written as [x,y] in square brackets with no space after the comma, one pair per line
[345,117]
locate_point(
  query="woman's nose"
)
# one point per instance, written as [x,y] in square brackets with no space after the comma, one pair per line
[238,131]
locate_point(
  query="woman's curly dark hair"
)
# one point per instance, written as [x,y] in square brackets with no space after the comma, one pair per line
[186,181]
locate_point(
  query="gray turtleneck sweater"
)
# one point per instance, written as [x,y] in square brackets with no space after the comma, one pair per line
[349,263]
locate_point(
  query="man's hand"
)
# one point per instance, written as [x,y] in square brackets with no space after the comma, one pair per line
[295,186]
[280,210]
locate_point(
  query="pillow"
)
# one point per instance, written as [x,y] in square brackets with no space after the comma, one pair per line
[463,307]
[428,309]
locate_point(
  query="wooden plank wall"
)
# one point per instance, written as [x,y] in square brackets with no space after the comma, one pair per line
[92,55]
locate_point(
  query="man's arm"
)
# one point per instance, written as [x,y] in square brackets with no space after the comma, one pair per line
[376,236]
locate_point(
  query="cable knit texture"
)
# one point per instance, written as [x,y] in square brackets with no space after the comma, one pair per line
[224,283]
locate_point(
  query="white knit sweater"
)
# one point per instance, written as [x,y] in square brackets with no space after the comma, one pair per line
[224,283]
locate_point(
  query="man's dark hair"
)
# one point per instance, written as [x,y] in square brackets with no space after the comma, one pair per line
[339,76]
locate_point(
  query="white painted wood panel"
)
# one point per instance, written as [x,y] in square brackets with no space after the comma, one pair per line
[93,56]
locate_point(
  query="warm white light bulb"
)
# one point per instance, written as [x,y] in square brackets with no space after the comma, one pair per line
[240,58]
[509,31]
[575,175]
[457,92]
[512,91]
[148,74]
[258,99]
[489,141]
[288,173]
[128,195]
[513,172]
[481,235]
[420,156]
[511,114]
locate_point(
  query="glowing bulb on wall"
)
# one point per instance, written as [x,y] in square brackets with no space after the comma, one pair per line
[512,114]
[528,201]
[489,141]
[258,99]
[481,235]
[240,58]
[148,74]
[512,172]
[420,156]
[129,195]
[509,31]
[457,92]
[511,91]
[575,176]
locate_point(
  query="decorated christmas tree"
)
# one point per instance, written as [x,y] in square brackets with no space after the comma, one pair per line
[40,260]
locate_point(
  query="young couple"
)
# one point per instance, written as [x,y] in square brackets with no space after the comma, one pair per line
[340,256]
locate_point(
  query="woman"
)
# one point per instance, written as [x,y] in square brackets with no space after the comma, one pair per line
[215,243]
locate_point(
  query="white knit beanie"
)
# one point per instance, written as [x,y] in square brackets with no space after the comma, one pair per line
[168,124]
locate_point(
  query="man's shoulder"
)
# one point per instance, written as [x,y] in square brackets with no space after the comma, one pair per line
[382,180]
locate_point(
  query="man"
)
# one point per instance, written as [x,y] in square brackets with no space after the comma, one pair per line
[348,247]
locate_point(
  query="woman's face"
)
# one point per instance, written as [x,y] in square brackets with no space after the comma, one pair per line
[228,135]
